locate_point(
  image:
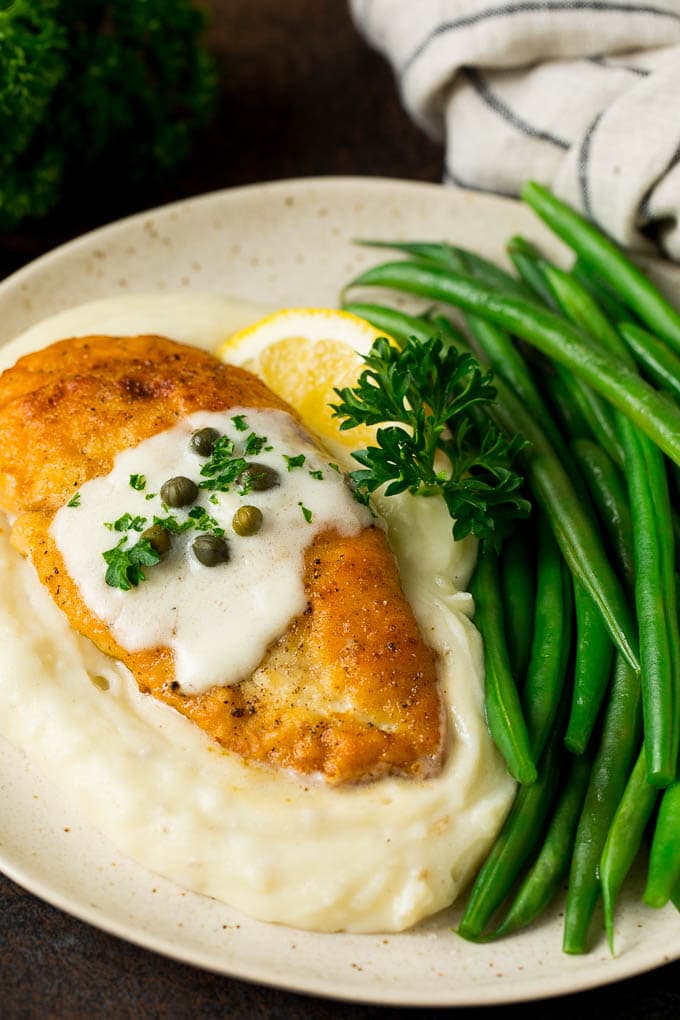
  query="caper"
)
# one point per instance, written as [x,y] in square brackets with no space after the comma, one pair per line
[158,538]
[179,491]
[203,441]
[247,520]
[210,550]
[258,477]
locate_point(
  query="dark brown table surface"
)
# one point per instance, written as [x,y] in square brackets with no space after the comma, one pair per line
[300,95]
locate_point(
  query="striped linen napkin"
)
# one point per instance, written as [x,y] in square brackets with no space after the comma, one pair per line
[582,95]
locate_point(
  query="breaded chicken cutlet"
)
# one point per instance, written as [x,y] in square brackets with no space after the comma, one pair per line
[349,691]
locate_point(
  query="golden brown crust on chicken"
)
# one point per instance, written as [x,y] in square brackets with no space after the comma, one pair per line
[350,691]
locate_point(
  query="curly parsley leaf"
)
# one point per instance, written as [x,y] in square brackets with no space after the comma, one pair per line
[125,564]
[294,462]
[434,399]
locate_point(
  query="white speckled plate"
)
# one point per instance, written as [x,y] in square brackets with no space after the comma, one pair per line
[288,243]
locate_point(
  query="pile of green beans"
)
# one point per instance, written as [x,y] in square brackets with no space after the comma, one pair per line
[579,610]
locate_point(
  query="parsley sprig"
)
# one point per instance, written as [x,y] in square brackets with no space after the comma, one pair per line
[438,397]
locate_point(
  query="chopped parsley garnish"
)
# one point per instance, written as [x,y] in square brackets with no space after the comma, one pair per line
[125,565]
[150,495]
[318,474]
[222,469]
[174,526]
[198,518]
[334,467]
[294,462]
[138,482]
[213,498]
[202,521]
[126,522]
[306,512]
[254,444]
[436,394]
[74,500]
[240,423]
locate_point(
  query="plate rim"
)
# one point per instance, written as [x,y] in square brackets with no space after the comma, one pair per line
[618,968]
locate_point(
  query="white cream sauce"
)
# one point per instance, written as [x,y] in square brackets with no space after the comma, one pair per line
[376,857]
[219,621]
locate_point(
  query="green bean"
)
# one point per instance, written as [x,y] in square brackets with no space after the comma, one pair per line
[552,634]
[660,364]
[584,312]
[573,527]
[649,601]
[585,412]
[652,544]
[598,252]
[591,674]
[526,259]
[675,897]
[514,845]
[661,695]
[518,584]
[561,400]
[433,251]
[592,671]
[579,307]
[621,385]
[489,273]
[503,709]
[624,838]
[396,324]
[607,489]
[615,310]
[448,332]
[664,865]
[460,259]
[594,412]
[663,876]
[542,881]
[592,408]
[507,362]
[613,761]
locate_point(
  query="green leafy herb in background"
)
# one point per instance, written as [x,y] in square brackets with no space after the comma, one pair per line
[120,86]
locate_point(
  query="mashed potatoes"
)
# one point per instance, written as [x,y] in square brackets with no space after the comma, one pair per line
[376,857]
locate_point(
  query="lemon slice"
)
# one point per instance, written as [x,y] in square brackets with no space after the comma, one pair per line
[302,354]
